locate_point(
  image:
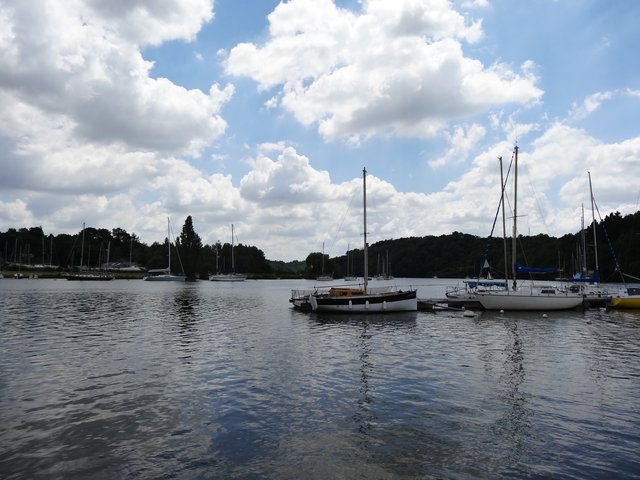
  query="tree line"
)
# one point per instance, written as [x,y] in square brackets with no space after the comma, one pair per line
[456,255]
[117,249]
[460,255]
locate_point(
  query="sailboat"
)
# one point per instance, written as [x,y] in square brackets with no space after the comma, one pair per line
[231,276]
[324,277]
[626,299]
[164,274]
[87,276]
[364,300]
[349,277]
[526,297]
[386,271]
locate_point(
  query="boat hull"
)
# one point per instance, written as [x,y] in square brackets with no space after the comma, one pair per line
[531,302]
[164,278]
[401,301]
[236,277]
[89,278]
[626,302]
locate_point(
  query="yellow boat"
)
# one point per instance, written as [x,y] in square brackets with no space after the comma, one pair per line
[631,300]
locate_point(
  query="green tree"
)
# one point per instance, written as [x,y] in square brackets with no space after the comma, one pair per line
[189,249]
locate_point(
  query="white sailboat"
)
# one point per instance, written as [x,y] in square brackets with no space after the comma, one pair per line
[86,276]
[350,277]
[231,276]
[526,297]
[364,300]
[324,277]
[164,274]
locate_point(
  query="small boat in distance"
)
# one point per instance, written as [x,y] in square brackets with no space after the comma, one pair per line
[231,276]
[363,300]
[324,277]
[164,274]
[87,277]
[349,277]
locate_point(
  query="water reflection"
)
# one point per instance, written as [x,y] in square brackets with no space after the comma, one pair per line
[364,415]
[187,304]
[514,426]
[397,319]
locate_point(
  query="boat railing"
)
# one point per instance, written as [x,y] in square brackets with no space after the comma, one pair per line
[386,289]
[299,294]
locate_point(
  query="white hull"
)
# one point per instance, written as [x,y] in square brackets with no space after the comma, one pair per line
[372,303]
[164,278]
[324,278]
[235,277]
[531,301]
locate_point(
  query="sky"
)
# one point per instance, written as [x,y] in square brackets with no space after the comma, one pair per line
[263,114]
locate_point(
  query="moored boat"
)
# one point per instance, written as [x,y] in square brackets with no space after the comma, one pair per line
[526,297]
[629,299]
[352,300]
[364,300]
[89,277]
[164,274]
[231,276]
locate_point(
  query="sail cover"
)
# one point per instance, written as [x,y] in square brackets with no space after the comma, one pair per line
[526,269]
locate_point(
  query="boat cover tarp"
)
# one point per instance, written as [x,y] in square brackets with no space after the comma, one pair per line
[526,269]
[593,278]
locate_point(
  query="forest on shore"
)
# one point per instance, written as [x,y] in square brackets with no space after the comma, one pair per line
[455,255]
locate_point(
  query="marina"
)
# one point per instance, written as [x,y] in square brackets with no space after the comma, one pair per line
[227,380]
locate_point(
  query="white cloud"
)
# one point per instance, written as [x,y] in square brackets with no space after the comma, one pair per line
[81,61]
[461,142]
[87,133]
[471,4]
[396,69]
[590,104]
[288,208]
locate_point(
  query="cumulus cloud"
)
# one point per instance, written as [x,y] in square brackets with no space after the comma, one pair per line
[87,133]
[396,68]
[80,62]
[590,105]
[461,142]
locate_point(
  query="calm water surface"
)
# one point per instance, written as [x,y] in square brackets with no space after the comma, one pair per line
[132,379]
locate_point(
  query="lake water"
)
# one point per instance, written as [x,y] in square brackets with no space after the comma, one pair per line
[133,379]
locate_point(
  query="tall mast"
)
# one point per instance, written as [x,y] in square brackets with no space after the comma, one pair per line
[514,241]
[583,246]
[82,247]
[366,252]
[233,266]
[169,242]
[593,217]
[504,225]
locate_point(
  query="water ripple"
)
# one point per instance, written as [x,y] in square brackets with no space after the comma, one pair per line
[140,380]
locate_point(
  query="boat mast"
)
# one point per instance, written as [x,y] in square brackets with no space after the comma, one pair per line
[514,241]
[169,243]
[593,217]
[583,246]
[504,226]
[82,247]
[233,266]
[366,252]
